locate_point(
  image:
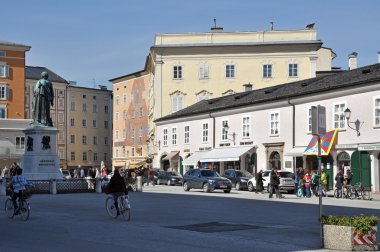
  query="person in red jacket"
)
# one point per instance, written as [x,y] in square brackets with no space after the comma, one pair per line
[307,180]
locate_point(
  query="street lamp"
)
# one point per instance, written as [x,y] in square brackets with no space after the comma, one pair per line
[233,134]
[358,124]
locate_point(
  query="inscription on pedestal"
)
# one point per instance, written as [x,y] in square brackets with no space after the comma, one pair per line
[46,162]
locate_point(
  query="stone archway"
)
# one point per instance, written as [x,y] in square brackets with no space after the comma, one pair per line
[275,160]
[343,159]
[270,148]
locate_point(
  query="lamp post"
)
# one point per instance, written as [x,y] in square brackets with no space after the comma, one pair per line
[233,134]
[358,125]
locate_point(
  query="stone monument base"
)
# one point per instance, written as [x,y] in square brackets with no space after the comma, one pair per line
[40,161]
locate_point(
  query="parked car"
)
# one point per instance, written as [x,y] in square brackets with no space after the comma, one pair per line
[286,181]
[239,179]
[208,180]
[169,178]
[66,174]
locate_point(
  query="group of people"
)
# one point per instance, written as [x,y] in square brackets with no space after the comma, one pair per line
[308,181]
[273,183]
[342,180]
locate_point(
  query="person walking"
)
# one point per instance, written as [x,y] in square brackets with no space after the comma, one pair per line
[339,178]
[323,182]
[274,183]
[259,182]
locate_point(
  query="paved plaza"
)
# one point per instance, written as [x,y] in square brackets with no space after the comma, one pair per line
[168,219]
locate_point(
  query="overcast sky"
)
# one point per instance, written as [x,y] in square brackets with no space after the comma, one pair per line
[92,41]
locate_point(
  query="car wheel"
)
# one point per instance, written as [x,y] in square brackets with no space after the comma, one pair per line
[250,187]
[186,187]
[169,183]
[206,187]
[237,186]
[227,191]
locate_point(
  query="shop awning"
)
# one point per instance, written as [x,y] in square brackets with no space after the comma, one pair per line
[171,155]
[225,154]
[295,152]
[327,141]
[194,158]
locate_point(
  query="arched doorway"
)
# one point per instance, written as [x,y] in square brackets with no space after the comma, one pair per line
[164,162]
[361,168]
[275,160]
[343,160]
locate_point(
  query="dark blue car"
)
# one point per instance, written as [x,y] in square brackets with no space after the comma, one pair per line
[205,179]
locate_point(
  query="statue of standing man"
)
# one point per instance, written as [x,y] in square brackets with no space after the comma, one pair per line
[43,99]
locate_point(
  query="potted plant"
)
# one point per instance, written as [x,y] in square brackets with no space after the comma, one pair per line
[350,233]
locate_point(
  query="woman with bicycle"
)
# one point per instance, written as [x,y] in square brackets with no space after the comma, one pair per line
[18,184]
[117,187]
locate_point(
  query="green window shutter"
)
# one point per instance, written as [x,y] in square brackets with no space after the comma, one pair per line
[7,93]
[6,71]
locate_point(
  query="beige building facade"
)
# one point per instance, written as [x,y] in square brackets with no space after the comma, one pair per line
[89,127]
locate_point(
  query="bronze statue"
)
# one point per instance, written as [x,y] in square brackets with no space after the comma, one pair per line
[43,99]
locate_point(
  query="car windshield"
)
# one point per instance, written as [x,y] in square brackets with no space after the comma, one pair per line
[173,174]
[244,174]
[209,173]
[285,174]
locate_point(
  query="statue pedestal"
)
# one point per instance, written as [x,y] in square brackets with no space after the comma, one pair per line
[40,161]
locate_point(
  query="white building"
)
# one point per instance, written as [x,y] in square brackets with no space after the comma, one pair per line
[271,127]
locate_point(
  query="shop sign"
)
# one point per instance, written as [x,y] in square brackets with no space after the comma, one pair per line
[346,146]
[369,147]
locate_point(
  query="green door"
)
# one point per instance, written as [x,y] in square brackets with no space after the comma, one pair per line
[361,161]
[180,165]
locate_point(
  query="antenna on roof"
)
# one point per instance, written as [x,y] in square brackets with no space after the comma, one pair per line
[310,26]
[214,22]
[215,28]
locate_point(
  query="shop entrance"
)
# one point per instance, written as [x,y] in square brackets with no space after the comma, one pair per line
[327,165]
[361,168]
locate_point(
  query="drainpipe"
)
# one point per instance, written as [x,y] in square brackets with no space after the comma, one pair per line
[213,130]
[294,131]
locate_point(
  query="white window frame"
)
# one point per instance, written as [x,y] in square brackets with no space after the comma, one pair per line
[292,70]
[178,101]
[94,124]
[4,91]
[178,72]
[230,71]
[72,156]
[116,134]
[124,98]
[204,71]
[72,122]
[84,107]
[246,127]
[72,139]
[267,71]
[342,118]
[187,134]
[174,136]
[94,108]
[72,106]
[376,109]
[165,137]
[124,133]
[117,153]
[271,122]
[84,140]
[117,116]
[224,135]
[117,100]
[205,132]
[95,140]
[133,152]
[20,143]
[4,70]
[141,132]
[84,123]
[308,120]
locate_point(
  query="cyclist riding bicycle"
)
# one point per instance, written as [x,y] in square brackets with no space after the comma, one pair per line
[18,183]
[117,187]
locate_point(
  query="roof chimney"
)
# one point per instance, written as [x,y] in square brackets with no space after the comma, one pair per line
[352,60]
[248,87]
[215,28]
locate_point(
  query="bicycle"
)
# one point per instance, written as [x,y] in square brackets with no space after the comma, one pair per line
[23,207]
[342,193]
[123,204]
[358,190]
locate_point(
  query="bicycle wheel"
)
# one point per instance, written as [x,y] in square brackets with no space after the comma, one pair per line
[299,192]
[110,207]
[24,210]
[9,208]
[124,208]
[353,194]
[366,195]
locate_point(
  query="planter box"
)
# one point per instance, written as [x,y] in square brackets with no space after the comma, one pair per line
[345,238]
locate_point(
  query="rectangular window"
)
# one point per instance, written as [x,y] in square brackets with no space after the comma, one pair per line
[203,71]
[105,156]
[106,124]
[177,72]
[376,107]
[3,113]
[267,71]
[165,137]
[84,156]
[309,120]
[84,123]
[60,117]
[4,92]
[124,152]
[72,139]
[187,134]
[2,54]
[205,132]
[95,140]
[117,100]
[61,103]
[275,123]
[61,153]
[139,151]
[339,118]
[293,70]
[72,122]
[177,102]
[246,126]
[106,109]
[116,135]
[225,130]
[141,132]
[72,155]
[84,96]
[84,139]
[124,134]
[84,107]
[94,97]
[106,140]
[72,106]
[133,151]
[174,136]
[124,115]
[95,156]
[4,70]
[230,71]
[94,124]
[117,116]
[20,143]
[125,98]
[94,108]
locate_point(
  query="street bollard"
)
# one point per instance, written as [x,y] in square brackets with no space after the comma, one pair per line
[53,186]
[139,183]
[98,184]
[3,187]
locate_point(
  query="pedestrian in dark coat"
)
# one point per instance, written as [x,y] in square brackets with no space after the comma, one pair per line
[259,182]
[274,183]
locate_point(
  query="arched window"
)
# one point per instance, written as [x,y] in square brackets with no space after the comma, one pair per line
[344,159]
[275,160]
